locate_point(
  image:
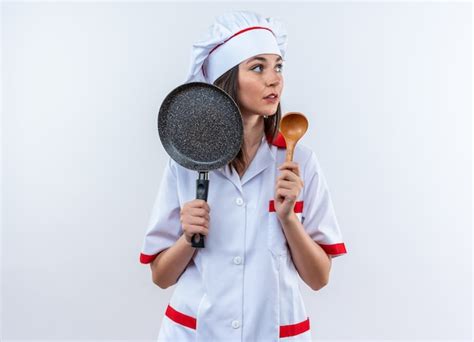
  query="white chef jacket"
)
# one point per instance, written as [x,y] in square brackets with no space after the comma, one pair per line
[243,286]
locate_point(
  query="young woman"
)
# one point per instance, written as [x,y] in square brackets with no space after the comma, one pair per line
[267,222]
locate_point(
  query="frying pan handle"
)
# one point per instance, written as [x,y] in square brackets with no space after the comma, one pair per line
[202,187]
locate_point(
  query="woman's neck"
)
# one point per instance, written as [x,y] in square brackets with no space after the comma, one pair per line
[253,130]
[253,133]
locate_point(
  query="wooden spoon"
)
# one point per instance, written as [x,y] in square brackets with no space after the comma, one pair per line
[293,126]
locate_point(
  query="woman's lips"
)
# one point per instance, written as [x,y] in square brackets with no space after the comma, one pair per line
[270,99]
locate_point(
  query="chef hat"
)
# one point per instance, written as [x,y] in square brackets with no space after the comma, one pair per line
[231,39]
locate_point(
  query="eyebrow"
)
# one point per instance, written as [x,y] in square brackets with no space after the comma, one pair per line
[263,59]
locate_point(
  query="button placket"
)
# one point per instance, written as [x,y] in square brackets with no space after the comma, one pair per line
[237,260]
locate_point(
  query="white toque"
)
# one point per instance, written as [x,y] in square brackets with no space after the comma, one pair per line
[232,38]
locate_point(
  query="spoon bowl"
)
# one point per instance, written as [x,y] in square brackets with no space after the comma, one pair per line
[293,126]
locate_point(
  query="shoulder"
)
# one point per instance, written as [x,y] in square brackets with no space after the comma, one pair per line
[303,154]
[176,169]
[308,161]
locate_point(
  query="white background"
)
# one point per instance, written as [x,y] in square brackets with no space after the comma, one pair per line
[386,87]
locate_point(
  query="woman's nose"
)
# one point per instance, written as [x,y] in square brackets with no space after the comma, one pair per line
[273,78]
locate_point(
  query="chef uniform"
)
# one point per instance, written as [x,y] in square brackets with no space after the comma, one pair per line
[243,286]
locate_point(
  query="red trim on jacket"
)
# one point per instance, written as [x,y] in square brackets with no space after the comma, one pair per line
[294,329]
[297,209]
[180,318]
[191,322]
[279,140]
[335,249]
[146,259]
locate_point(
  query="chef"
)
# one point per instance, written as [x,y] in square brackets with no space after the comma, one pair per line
[267,223]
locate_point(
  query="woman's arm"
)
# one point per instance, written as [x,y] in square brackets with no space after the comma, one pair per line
[311,261]
[171,263]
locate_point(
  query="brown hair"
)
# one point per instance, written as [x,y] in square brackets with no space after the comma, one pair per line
[229,83]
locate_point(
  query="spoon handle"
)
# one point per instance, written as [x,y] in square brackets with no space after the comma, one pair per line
[290,147]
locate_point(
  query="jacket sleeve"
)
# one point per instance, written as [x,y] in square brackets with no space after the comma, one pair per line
[319,218]
[164,226]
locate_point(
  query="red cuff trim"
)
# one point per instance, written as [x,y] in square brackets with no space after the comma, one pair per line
[279,140]
[337,248]
[297,209]
[294,329]
[146,259]
[180,318]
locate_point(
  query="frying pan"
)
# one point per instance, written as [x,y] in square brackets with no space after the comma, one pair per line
[200,127]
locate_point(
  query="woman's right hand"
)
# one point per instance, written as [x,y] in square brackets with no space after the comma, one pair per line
[194,218]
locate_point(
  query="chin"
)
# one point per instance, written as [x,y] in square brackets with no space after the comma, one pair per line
[270,113]
[269,110]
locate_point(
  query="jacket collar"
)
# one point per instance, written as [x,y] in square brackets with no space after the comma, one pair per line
[279,140]
[265,157]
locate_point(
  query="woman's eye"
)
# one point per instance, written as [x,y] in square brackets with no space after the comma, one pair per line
[278,66]
[257,66]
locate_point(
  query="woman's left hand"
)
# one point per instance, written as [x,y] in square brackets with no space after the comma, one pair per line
[287,189]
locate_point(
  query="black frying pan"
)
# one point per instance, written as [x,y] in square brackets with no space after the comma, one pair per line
[200,127]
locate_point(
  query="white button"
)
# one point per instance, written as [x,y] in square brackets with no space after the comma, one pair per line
[239,201]
[237,260]
[235,324]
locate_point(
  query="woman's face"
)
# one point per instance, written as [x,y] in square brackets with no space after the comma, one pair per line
[260,76]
